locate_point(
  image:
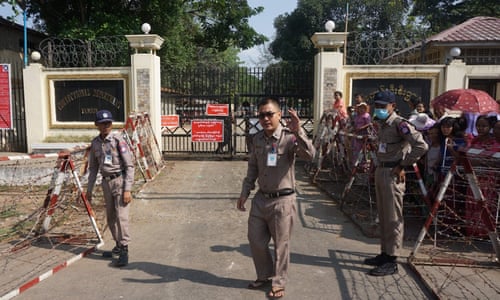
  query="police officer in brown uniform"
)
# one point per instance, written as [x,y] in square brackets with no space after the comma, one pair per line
[109,154]
[400,146]
[273,211]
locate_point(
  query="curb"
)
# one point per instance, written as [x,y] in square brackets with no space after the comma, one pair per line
[47,274]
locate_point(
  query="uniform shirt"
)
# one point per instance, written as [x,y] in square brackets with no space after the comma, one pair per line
[282,176]
[399,141]
[121,160]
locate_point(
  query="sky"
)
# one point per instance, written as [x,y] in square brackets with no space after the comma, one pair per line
[262,23]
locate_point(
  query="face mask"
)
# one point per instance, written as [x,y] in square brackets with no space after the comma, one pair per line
[381,113]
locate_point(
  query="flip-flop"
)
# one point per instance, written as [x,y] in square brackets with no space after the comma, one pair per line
[276,293]
[257,284]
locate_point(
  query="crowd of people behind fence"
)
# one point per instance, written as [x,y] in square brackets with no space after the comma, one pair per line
[445,133]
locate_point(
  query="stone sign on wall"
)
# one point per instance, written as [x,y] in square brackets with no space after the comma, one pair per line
[329,87]
[406,90]
[79,100]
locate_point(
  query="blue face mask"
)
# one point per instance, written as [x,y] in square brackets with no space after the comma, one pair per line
[381,113]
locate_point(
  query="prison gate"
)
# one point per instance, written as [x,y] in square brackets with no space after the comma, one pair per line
[187,92]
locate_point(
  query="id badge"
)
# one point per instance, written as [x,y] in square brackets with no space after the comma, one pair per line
[108,160]
[272,159]
[382,148]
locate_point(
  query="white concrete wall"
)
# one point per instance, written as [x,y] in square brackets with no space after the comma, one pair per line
[455,75]
[40,106]
[443,77]
[143,88]
[484,72]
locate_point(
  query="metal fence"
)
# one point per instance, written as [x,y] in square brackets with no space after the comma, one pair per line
[186,93]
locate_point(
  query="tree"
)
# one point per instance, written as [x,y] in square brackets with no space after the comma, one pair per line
[376,19]
[192,29]
[440,15]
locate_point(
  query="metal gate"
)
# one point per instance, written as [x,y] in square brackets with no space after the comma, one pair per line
[186,93]
[14,140]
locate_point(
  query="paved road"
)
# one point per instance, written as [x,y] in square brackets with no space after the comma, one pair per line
[189,242]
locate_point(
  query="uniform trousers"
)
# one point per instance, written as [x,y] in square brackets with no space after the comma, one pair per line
[271,218]
[390,210]
[117,213]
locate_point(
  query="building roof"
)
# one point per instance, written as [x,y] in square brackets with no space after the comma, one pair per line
[9,24]
[477,30]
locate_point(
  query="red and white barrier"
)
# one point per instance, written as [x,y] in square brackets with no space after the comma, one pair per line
[46,275]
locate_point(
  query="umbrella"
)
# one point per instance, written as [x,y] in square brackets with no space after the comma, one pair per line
[467,100]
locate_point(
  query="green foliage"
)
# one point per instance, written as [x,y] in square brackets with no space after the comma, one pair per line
[440,15]
[193,30]
[375,18]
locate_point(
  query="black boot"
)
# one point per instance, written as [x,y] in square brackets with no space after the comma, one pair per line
[123,258]
[378,260]
[388,268]
[114,253]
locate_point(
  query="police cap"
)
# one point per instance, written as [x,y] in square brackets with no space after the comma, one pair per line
[103,116]
[384,97]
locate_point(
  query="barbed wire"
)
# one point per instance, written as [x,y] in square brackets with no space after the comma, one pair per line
[99,52]
[364,48]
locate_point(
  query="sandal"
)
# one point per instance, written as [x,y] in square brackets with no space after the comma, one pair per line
[257,284]
[276,292]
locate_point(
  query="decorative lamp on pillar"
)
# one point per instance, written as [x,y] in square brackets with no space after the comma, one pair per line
[329,26]
[146,28]
[35,56]
[455,51]
[329,39]
[145,42]
[452,55]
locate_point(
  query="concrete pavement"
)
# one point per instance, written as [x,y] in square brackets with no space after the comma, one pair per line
[189,242]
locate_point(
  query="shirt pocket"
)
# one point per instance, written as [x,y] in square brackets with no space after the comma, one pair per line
[259,150]
[116,157]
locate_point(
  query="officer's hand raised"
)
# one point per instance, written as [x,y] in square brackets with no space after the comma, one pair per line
[294,123]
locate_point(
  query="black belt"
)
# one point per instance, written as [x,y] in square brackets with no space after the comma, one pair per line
[388,164]
[112,176]
[280,193]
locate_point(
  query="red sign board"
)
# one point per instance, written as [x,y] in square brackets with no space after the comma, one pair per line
[170,121]
[5,97]
[217,110]
[207,131]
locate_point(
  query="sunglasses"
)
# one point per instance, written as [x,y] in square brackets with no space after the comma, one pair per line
[267,114]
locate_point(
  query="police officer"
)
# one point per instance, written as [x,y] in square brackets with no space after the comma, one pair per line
[273,210]
[109,154]
[400,146]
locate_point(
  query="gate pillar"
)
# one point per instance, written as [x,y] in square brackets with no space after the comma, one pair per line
[328,67]
[37,114]
[145,77]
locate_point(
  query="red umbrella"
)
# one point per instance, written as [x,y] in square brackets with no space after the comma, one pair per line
[467,100]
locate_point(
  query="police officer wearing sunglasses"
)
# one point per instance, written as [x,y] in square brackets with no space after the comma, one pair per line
[273,210]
